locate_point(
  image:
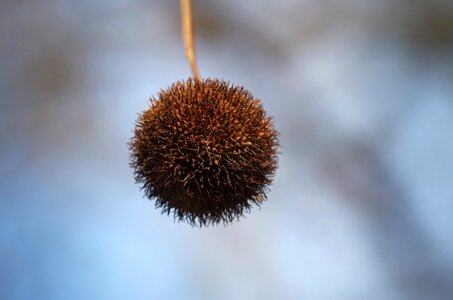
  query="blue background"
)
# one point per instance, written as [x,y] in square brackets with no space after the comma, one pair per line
[362,203]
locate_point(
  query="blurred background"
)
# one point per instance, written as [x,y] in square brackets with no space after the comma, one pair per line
[362,203]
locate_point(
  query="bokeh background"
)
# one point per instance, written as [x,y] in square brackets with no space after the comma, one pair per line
[362,203]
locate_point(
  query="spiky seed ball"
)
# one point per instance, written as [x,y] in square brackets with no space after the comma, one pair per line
[204,150]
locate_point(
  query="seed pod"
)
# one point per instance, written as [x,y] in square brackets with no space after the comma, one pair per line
[205,150]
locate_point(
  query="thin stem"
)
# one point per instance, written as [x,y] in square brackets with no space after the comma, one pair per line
[188,35]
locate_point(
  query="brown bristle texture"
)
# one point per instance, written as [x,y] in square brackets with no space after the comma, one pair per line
[205,150]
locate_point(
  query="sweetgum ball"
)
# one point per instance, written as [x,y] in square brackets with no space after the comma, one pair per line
[205,151]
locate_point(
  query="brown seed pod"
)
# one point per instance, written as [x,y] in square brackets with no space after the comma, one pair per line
[204,150]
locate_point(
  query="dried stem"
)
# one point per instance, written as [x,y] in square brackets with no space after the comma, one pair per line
[187,30]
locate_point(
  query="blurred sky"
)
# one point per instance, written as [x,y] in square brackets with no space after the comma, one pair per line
[362,203]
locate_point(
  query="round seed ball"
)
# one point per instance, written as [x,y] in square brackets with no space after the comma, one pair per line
[204,150]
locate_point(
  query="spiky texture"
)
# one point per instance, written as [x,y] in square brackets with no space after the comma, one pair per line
[205,150]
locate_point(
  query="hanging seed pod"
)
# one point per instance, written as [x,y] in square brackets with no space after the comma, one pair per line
[205,151]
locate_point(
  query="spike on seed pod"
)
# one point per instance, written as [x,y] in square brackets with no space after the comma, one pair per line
[205,150]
